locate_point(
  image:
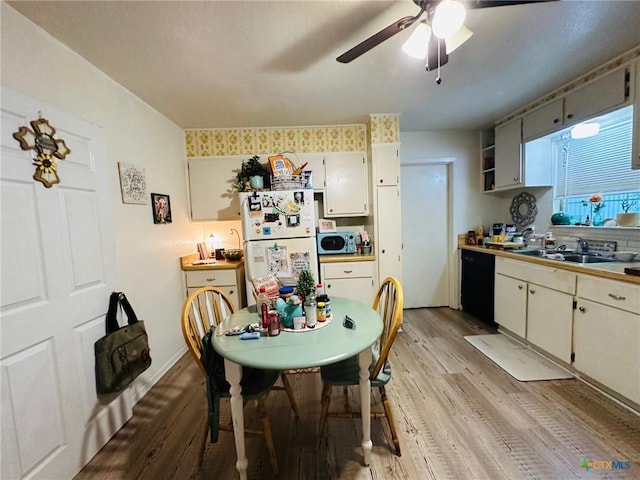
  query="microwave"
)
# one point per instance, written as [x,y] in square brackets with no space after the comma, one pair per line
[331,243]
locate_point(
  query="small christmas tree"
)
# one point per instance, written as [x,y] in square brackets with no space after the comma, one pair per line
[306,283]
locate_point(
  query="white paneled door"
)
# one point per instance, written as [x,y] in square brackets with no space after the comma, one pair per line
[57,274]
[425,264]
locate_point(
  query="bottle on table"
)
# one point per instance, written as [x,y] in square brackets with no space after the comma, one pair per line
[263,303]
[321,312]
[310,318]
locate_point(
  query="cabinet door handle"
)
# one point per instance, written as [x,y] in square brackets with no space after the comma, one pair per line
[515,179]
[520,287]
[570,115]
[617,297]
[582,309]
[329,285]
[211,279]
[331,209]
[382,251]
[348,271]
[231,292]
[381,181]
[556,120]
[532,291]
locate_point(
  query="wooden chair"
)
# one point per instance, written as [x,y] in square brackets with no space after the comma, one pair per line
[204,308]
[388,302]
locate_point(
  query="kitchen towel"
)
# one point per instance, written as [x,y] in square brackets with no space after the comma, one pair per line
[518,360]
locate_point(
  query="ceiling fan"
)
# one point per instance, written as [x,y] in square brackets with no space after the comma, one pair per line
[448,32]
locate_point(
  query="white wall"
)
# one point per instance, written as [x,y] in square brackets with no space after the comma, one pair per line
[38,66]
[470,206]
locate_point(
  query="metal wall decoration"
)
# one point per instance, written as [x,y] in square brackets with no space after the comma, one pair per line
[523,209]
[41,140]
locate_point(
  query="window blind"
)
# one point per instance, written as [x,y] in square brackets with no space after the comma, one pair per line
[599,164]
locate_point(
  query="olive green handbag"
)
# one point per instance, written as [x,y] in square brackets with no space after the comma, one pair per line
[123,353]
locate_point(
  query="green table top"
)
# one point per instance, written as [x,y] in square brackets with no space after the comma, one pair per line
[313,348]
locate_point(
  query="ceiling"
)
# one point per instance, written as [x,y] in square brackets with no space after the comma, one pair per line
[211,64]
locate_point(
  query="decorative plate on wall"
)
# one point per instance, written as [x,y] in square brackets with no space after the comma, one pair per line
[523,209]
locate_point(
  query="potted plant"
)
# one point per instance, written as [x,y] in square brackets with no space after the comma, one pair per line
[627,218]
[306,283]
[251,175]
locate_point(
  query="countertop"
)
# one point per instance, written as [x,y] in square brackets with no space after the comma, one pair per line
[612,270]
[186,264]
[346,257]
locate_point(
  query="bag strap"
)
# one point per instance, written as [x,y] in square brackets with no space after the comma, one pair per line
[111,319]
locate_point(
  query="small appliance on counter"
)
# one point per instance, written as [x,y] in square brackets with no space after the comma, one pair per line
[332,243]
[498,232]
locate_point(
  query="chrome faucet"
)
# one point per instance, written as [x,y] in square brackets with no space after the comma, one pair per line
[236,232]
[583,245]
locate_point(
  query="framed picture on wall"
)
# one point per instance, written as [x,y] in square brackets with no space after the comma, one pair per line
[133,184]
[161,208]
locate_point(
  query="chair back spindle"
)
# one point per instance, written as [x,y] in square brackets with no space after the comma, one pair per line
[388,303]
[204,308]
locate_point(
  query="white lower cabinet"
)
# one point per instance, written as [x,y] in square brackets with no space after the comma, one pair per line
[230,281]
[510,309]
[536,303]
[388,225]
[549,320]
[607,334]
[354,280]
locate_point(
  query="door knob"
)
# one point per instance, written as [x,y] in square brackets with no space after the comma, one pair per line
[582,309]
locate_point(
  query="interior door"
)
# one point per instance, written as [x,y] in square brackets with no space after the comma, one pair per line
[425,264]
[57,274]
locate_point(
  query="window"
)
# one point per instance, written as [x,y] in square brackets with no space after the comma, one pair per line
[600,164]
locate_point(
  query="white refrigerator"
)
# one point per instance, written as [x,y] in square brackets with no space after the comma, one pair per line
[279,230]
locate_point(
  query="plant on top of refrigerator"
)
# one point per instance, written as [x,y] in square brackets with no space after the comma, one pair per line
[248,169]
[306,283]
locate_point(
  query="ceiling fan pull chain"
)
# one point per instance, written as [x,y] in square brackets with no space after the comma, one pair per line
[438,79]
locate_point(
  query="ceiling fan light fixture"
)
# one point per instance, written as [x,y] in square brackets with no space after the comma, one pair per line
[416,44]
[457,39]
[448,18]
[585,130]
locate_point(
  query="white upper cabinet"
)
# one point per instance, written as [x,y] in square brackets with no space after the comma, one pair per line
[386,164]
[543,120]
[211,192]
[508,155]
[346,185]
[600,96]
[315,163]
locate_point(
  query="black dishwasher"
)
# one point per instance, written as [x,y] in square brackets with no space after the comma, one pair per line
[478,285]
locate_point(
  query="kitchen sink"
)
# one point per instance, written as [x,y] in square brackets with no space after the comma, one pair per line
[530,253]
[586,258]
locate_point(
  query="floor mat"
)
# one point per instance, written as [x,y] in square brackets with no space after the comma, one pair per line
[517,360]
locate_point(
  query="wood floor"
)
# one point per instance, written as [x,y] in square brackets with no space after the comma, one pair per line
[458,415]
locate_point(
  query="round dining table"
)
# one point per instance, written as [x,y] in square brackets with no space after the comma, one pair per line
[305,348]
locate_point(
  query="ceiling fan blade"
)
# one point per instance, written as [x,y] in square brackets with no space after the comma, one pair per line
[377,39]
[500,3]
